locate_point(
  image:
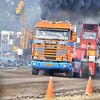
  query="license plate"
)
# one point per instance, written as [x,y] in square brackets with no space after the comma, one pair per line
[49,64]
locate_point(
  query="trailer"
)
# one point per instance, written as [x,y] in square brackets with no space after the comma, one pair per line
[89,39]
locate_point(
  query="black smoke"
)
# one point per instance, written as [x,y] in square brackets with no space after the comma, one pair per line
[69,9]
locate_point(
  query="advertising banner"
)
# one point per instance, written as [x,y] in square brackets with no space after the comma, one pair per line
[85,46]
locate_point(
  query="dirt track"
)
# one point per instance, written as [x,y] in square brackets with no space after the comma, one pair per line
[15,82]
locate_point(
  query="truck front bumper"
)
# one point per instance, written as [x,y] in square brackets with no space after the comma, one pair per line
[51,65]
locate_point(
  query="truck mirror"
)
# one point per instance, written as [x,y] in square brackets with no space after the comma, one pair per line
[74,33]
[73,38]
[31,34]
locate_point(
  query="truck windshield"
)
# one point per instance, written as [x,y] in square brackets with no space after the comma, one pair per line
[89,35]
[45,33]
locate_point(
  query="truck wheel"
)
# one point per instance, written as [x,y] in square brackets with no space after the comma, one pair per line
[90,72]
[35,71]
[70,74]
[79,75]
[96,71]
[42,72]
[85,73]
[80,72]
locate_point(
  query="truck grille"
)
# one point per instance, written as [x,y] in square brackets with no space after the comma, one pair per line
[52,58]
[50,51]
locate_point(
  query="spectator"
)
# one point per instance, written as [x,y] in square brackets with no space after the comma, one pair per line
[19,52]
[29,52]
[25,53]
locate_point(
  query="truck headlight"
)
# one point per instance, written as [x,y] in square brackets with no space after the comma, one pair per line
[65,59]
[33,63]
[35,57]
[64,65]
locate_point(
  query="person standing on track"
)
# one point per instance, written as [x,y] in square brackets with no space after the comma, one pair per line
[29,52]
[25,53]
[19,52]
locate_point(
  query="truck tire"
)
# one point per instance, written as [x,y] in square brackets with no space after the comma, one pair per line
[96,71]
[85,73]
[79,75]
[42,72]
[35,71]
[70,74]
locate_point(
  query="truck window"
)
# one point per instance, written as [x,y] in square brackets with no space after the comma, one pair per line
[89,35]
[59,34]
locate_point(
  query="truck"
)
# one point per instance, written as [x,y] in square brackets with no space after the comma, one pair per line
[89,44]
[53,49]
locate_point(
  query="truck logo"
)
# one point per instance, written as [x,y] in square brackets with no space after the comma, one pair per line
[50,42]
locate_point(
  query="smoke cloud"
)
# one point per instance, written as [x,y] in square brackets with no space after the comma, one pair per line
[69,9]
